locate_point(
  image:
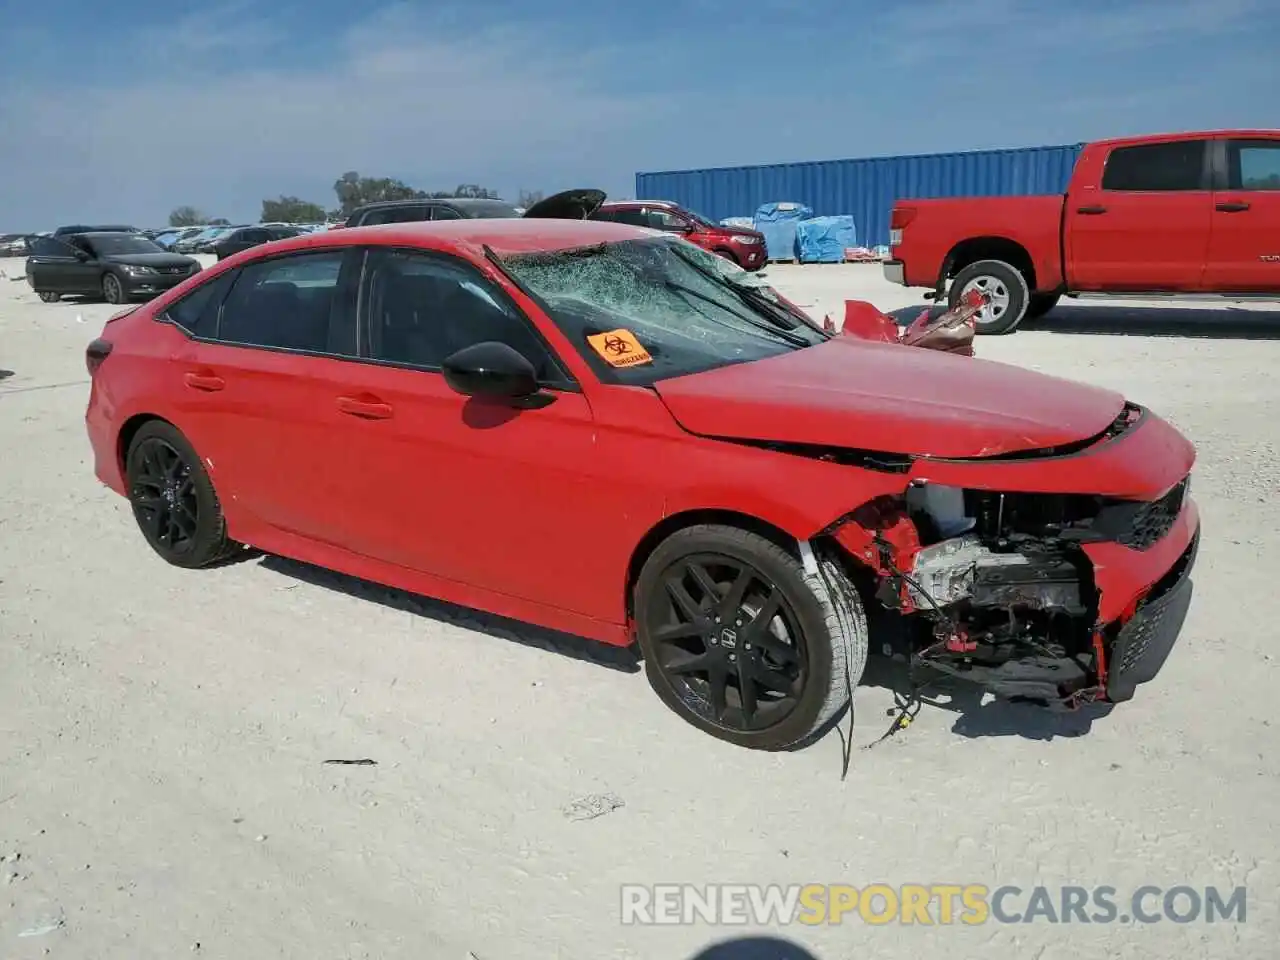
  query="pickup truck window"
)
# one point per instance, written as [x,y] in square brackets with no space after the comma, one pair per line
[1253,165]
[1156,167]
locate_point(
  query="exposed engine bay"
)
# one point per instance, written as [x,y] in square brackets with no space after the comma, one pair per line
[999,591]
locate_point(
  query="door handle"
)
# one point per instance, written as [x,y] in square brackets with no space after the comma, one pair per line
[366,409]
[204,381]
[1233,206]
[1091,211]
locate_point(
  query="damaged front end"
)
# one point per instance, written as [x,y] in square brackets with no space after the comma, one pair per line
[1055,598]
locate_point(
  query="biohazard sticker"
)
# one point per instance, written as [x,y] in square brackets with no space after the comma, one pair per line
[619,348]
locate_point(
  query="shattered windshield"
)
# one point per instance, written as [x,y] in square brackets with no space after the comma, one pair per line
[640,311]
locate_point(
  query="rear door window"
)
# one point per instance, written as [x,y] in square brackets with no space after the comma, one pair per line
[445,213]
[288,303]
[1157,167]
[1253,165]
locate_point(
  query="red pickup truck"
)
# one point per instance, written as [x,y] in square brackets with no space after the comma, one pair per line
[1184,213]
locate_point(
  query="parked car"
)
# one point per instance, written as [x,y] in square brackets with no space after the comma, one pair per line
[14,244]
[1184,213]
[207,244]
[88,228]
[170,238]
[191,243]
[245,237]
[443,208]
[744,247]
[585,426]
[115,266]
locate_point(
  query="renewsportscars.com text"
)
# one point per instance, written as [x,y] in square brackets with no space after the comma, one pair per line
[926,904]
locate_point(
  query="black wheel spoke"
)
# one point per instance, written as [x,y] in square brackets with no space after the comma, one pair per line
[705,583]
[154,520]
[746,692]
[774,680]
[679,631]
[185,521]
[732,601]
[757,627]
[685,602]
[717,685]
[692,663]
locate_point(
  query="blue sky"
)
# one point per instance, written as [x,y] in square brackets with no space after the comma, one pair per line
[123,110]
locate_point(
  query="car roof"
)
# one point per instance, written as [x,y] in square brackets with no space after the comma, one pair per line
[419,201]
[515,235]
[94,234]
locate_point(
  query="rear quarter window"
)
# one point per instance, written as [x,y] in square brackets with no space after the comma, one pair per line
[197,312]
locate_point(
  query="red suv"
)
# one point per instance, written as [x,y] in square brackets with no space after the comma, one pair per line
[743,247]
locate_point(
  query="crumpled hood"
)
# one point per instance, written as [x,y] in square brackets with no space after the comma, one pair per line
[889,398]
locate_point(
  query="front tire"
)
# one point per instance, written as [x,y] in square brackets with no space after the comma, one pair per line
[742,643]
[50,296]
[1004,284]
[173,499]
[112,288]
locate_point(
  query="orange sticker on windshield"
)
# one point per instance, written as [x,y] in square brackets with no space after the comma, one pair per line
[619,348]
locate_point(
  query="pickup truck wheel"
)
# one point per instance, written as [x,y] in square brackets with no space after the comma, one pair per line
[1041,303]
[1004,285]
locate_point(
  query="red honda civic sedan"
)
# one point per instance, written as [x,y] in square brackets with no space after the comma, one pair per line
[607,431]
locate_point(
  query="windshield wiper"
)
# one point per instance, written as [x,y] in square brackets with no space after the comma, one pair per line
[779,316]
[772,329]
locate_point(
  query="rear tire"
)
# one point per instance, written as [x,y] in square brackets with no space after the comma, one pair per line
[50,296]
[1007,287]
[173,499]
[796,646]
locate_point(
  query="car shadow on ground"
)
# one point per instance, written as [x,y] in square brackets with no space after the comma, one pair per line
[978,716]
[755,948]
[1102,319]
[624,660]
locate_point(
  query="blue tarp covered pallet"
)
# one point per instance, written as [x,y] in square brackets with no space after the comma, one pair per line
[777,221]
[825,239]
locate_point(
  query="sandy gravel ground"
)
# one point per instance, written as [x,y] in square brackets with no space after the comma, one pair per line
[163,734]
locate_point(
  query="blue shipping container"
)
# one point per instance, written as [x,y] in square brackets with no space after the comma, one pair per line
[865,189]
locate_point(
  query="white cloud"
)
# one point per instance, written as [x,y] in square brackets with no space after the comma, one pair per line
[400,98]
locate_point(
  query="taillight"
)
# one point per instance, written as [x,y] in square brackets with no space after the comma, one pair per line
[95,353]
[900,217]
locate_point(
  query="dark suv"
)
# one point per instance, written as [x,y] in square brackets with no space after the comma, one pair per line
[744,247]
[246,237]
[412,211]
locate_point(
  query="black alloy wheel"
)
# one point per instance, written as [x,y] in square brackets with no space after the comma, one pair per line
[163,494]
[729,642]
[744,642]
[173,499]
[50,296]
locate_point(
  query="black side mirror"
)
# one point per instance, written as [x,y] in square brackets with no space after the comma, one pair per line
[491,369]
[81,255]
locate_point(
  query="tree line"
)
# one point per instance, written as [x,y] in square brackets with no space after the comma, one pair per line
[352,191]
